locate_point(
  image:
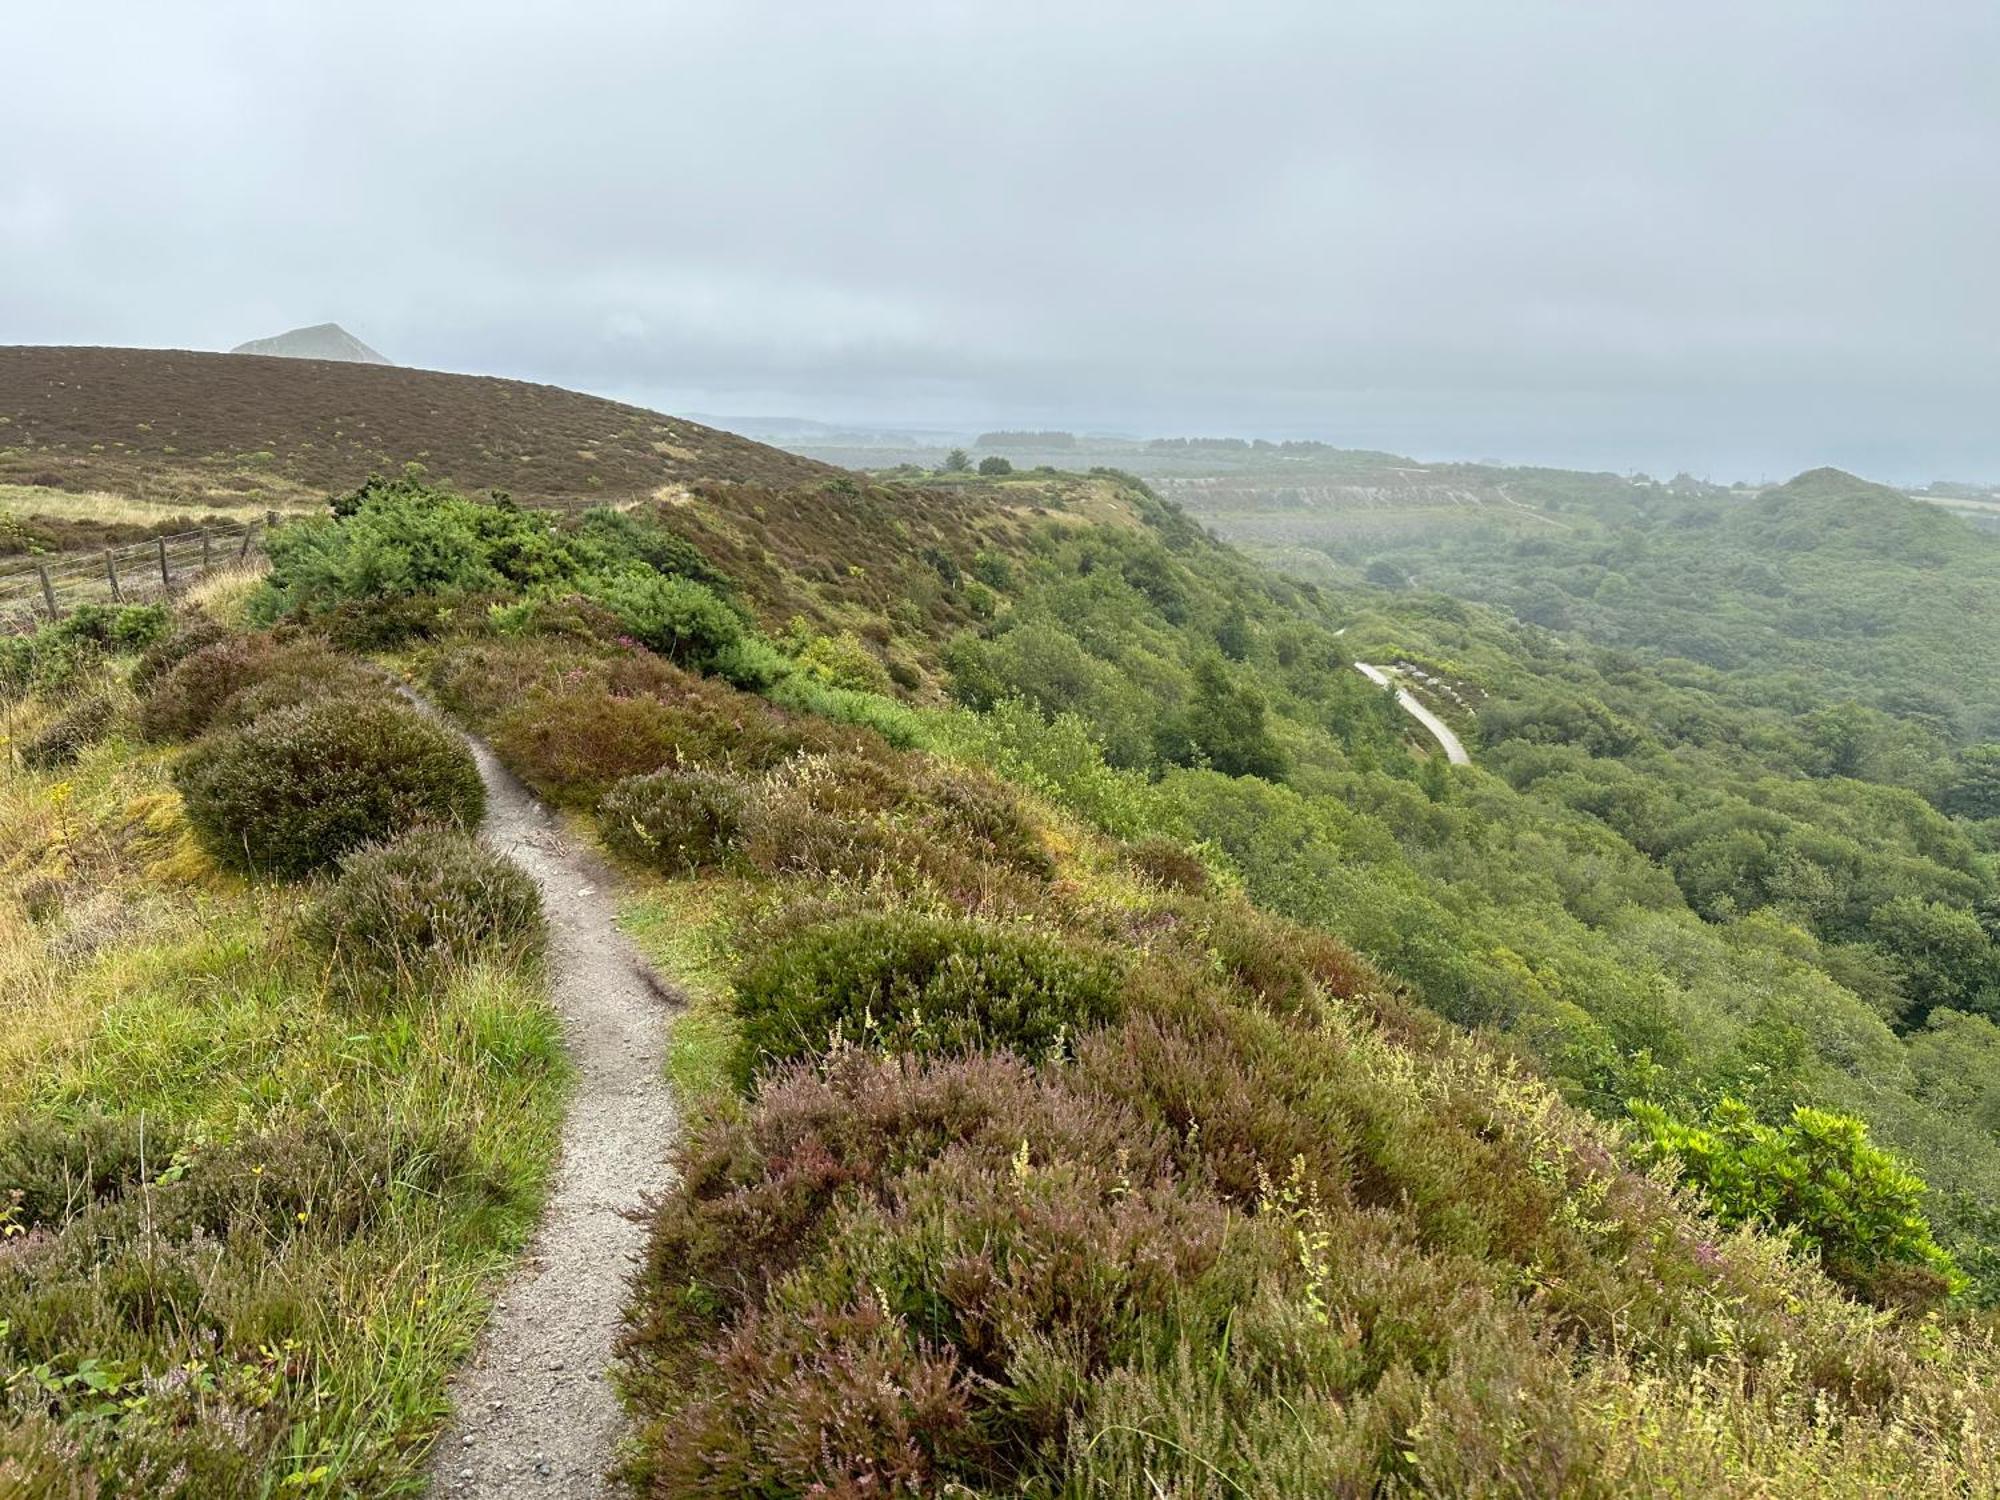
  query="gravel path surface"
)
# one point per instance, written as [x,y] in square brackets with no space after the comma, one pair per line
[536,1415]
[1454,748]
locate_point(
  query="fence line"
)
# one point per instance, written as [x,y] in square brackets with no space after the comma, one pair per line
[40,589]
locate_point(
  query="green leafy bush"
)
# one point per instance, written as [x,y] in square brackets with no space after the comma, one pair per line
[63,741]
[59,655]
[618,536]
[1816,1174]
[923,984]
[404,914]
[685,621]
[401,538]
[679,821]
[299,788]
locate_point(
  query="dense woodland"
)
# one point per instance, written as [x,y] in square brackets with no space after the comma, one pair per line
[1122,1059]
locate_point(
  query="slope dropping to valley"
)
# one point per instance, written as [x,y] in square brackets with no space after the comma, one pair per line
[1120,1055]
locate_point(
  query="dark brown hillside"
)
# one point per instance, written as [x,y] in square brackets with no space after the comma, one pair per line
[165,425]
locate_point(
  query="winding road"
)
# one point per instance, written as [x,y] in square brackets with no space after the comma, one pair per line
[1454,749]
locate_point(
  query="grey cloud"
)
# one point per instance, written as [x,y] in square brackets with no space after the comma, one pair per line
[1739,239]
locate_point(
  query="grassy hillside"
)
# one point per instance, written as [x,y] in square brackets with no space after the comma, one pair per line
[1122,1059]
[187,430]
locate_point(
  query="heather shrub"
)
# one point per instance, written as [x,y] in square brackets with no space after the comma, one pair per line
[481,680]
[73,732]
[385,622]
[186,698]
[786,834]
[299,788]
[632,715]
[678,821]
[1166,863]
[981,816]
[404,914]
[573,745]
[301,672]
[880,818]
[236,679]
[921,984]
[175,646]
[144,1244]
[1231,1253]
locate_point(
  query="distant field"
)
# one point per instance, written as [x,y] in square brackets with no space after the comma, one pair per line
[192,433]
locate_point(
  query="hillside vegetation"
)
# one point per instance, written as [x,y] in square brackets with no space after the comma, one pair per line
[183,429]
[1823,589]
[1121,1060]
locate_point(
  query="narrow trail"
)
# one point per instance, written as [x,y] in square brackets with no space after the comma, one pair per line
[536,1414]
[1454,748]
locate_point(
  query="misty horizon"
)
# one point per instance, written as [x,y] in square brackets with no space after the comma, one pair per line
[1735,245]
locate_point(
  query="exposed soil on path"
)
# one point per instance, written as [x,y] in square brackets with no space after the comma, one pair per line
[536,1414]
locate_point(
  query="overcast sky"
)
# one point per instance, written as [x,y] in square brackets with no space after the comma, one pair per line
[1736,238]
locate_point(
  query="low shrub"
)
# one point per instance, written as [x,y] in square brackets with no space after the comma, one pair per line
[384,623]
[983,817]
[403,914]
[785,834]
[299,788]
[686,622]
[63,741]
[921,984]
[1166,863]
[118,627]
[678,821]
[574,744]
[58,656]
[1816,1174]
[186,698]
[239,678]
[186,637]
[574,739]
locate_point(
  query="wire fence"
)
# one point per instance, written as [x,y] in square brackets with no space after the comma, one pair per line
[37,590]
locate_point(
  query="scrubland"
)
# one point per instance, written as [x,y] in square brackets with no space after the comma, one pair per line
[1116,1061]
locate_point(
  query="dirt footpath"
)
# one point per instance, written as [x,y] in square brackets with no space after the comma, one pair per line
[536,1415]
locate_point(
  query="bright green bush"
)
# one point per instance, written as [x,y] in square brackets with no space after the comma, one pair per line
[299,788]
[1817,1174]
[57,656]
[922,984]
[397,539]
[404,914]
[685,621]
[679,821]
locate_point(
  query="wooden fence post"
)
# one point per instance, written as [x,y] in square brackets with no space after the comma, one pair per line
[249,530]
[111,572]
[48,592]
[166,578]
[204,550]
